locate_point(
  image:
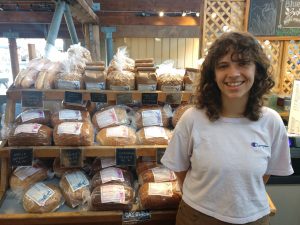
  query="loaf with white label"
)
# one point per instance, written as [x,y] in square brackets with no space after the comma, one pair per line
[170,82]
[166,195]
[42,198]
[30,134]
[154,135]
[179,112]
[144,164]
[157,174]
[69,80]
[58,170]
[119,135]
[101,163]
[112,197]
[75,188]
[151,116]
[74,134]
[69,115]
[120,80]
[34,116]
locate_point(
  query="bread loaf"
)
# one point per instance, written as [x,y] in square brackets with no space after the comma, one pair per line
[120,80]
[190,76]
[74,134]
[75,188]
[46,78]
[101,163]
[151,116]
[30,134]
[119,135]
[179,112]
[164,195]
[142,165]
[170,82]
[69,115]
[34,116]
[69,81]
[147,60]
[112,197]
[157,174]
[42,198]
[146,80]
[154,135]
[25,176]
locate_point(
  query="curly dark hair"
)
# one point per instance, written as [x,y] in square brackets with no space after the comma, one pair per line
[245,48]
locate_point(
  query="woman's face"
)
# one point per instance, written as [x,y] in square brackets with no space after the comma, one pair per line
[234,78]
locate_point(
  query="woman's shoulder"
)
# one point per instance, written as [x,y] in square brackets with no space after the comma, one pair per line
[270,114]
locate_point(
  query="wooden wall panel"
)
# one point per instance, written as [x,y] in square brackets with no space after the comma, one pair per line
[165,49]
[158,50]
[174,50]
[188,59]
[181,52]
[150,47]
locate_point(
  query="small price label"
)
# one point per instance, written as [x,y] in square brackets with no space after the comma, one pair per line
[174,98]
[73,97]
[125,156]
[159,154]
[21,157]
[124,99]
[32,99]
[136,217]
[99,97]
[149,98]
[71,157]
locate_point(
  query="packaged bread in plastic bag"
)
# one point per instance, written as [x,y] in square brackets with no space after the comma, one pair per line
[118,135]
[30,134]
[144,163]
[69,115]
[154,135]
[179,112]
[34,116]
[101,163]
[112,197]
[75,188]
[95,77]
[146,79]
[157,174]
[71,80]
[74,134]
[42,198]
[190,77]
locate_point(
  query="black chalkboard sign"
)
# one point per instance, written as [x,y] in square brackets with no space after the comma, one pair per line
[32,99]
[21,157]
[136,217]
[73,97]
[99,97]
[71,157]
[125,156]
[274,17]
[174,98]
[149,98]
[159,154]
[124,98]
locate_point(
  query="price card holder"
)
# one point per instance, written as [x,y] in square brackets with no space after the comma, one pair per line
[125,156]
[173,98]
[21,157]
[73,98]
[99,97]
[32,99]
[124,99]
[159,154]
[71,157]
[136,217]
[149,98]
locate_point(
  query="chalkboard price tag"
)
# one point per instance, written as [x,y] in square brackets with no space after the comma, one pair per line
[149,98]
[125,156]
[71,157]
[99,97]
[32,99]
[73,97]
[21,157]
[136,217]
[159,154]
[124,99]
[174,98]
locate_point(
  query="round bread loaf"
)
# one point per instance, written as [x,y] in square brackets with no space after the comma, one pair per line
[117,80]
[154,135]
[151,116]
[101,163]
[142,166]
[179,112]
[157,174]
[169,80]
[50,205]
[69,115]
[34,116]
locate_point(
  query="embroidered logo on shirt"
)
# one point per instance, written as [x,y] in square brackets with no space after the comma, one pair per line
[257,146]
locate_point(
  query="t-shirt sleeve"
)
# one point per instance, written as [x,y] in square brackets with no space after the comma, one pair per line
[280,161]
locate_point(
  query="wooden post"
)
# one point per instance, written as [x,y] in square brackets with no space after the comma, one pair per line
[31,51]
[246,18]
[14,60]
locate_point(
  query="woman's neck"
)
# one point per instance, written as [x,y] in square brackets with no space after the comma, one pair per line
[233,108]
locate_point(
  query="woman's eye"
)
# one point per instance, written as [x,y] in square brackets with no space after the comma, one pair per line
[244,63]
[221,66]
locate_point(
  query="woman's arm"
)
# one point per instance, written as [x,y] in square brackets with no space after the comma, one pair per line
[180,177]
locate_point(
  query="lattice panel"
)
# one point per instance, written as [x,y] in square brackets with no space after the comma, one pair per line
[221,16]
[291,68]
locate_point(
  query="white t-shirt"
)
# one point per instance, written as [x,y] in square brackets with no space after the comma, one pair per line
[226,161]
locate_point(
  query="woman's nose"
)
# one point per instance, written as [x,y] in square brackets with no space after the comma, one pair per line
[234,71]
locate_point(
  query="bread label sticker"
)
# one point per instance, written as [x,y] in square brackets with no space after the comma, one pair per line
[69,128]
[119,131]
[95,86]
[22,172]
[113,194]
[171,88]
[77,180]
[31,128]
[39,193]
[107,118]
[152,118]
[155,132]
[64,84]
[107,162]
[68,114]
[162,174]
[32,114]
[162,189]
[146,87]
[119,88]
[111,174]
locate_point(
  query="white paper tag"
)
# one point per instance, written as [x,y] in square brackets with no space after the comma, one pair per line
[119,88]
[32,114]
[155,132]
[64,84]
[77,180]
[69,128]
[68,114]
[152,118]
[39,193]
[112,193]
[188,87]
[95,86]
[107,118]
[22,172]
[110,174]
[119,131]
[171,88]
[146,87]
[162,174]
[162,189]
[31,128]
[107,162]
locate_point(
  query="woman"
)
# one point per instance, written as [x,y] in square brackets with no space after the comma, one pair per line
[225,148]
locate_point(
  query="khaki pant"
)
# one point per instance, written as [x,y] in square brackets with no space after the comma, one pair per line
[187,215]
